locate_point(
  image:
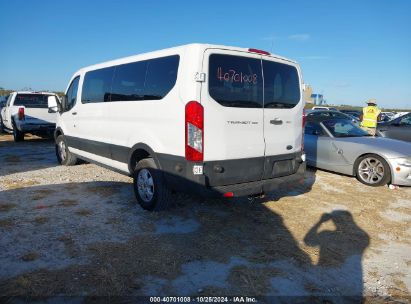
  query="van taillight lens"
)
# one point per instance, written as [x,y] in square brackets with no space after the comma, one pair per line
[302,134]
[194,129]
[21,114]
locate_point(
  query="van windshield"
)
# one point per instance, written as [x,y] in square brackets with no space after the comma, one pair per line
[31,100]
[237,81]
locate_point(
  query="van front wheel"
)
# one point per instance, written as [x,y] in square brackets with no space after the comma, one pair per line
[64,156]
[149,186]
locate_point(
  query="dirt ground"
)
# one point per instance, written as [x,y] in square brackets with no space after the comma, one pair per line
[78,231]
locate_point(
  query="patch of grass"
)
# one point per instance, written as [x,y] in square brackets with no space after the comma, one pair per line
[41,220]
[41,194]
[399,290]
[69,244]
[30,256]
[12,159]
[251,280]
[311,287]
[147,226]
[68,203]
[6,207]
[84,212]
[12,184]
[104,190]
[6,223]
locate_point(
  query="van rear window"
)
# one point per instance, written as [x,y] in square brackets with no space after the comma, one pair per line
[31,100]
[237,81]
[281,85]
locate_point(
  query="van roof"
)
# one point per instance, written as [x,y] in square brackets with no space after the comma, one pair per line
[200,46]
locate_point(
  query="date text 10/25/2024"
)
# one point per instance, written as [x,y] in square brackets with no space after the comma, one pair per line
[203,299]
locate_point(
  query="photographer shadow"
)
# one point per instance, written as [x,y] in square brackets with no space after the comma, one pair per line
[340,252]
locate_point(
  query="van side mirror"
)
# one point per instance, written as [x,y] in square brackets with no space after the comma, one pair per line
[52,104]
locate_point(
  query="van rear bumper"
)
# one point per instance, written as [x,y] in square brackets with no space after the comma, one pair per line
[179,176]
[263,186]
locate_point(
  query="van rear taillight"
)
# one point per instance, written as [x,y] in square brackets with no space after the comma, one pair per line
[21,114]
[194,131]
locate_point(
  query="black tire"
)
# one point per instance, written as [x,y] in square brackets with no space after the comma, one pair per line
[64,156]
[155,196]
[1,126]
[372,170]
[17,135]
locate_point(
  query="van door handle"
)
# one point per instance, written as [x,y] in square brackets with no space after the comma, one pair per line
[74,113]
[276,122]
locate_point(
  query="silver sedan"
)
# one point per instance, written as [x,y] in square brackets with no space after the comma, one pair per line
[340,146]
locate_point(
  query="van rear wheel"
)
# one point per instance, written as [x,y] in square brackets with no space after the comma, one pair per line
[64,156]
[149,186]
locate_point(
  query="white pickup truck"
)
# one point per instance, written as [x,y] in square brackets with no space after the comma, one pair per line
[27,112]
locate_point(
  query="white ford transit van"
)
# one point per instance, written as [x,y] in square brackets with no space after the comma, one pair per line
[208,119]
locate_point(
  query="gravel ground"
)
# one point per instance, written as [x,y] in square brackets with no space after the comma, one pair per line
[77,231]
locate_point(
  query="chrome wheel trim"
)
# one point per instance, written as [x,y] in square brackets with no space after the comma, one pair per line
[145,185]
[371,170]
[62,150]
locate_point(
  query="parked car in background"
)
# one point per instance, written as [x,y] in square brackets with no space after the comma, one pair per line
[399,114]
[387,116]
[339,145]
[332,114]
[398,128]
[27,112]
[324,108]
[354,113]
[3,102]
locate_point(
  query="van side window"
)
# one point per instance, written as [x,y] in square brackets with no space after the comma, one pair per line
[236,81]
[145,80]
[128,82]
[97,85]
[161,77]
[72,94]
[281,85]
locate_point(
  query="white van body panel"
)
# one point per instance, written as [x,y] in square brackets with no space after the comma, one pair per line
[102,160]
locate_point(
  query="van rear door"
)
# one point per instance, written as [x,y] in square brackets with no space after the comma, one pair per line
[232,98]
[283,111]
